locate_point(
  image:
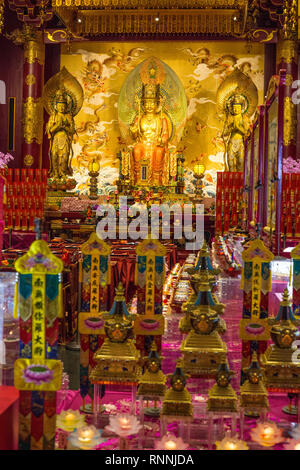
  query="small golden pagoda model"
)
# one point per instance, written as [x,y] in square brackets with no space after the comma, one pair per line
[152,382]
[203,279]
[202,295]
[253,393]
[281,369]
[178,401]
[222,397]
[203,264]
[118,358]
[203,349]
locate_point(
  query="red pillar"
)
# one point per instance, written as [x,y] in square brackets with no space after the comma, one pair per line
[33,82]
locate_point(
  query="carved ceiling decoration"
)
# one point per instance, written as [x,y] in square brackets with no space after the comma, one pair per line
[91,18]
[255,20]
[35,12]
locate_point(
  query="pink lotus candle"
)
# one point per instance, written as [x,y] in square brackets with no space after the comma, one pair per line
[170,442]
[124,426]
[266,434]
[231,443]
[69,420]
[85,438]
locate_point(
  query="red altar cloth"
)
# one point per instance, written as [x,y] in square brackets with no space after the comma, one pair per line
[20,240]
[9,416]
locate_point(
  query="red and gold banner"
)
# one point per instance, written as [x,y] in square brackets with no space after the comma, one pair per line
[37,372]
[229,201]
[94,277]
[256,283]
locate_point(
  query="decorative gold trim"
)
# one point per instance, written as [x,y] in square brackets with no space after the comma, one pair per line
[257,251]
[289,79]
[247,336]
[287,51]
[1,15]
[269,35]
[95,246]
[141,320]
[30,79]
[34,48]
[149,246]
[89,21]
[33,120]
[84,329]
[35,266]
[290,122]
[154,4]
[54,366]
[28,160]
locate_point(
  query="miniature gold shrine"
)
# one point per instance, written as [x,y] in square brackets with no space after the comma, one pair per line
[222,397]
[152,382]
[254,395]
[118,358]
[178,401]
[280,368]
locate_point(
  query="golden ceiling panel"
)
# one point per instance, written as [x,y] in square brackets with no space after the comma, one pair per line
[94,22]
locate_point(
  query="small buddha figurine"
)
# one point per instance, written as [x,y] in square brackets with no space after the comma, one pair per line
[151,133]
[235,129]
[60,129]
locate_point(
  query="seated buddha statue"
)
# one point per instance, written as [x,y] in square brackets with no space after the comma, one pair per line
[151,134]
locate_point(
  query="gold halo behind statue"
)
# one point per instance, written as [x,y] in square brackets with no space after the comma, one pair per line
[171,96]
[237,85]
[66,83]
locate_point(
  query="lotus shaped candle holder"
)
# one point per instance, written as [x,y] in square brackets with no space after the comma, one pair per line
[231,443]
[266,434]
[170,442]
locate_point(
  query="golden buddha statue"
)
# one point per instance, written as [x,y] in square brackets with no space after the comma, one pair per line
[151,133]
[63,99]
[237,99]
[236,129]
[60,129]
[152,111]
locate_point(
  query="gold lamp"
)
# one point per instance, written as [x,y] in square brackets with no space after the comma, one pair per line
[94,168]
[199,173]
